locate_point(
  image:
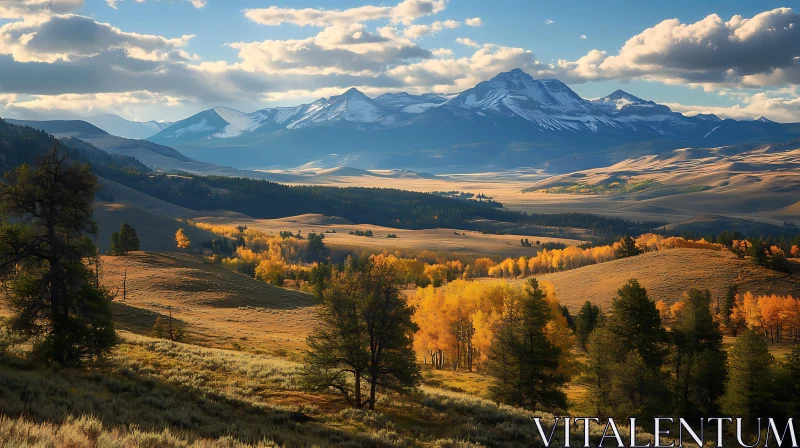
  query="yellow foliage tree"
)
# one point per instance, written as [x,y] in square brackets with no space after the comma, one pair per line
[456,322]
[663,309]
[182,239]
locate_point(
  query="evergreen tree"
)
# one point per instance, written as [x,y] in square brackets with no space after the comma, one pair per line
[758,252]
[522,360]
[636,321]
[791,387]
[44,259]
[749,390]
[603,351]
[638,389]
[124,241]
[625,358]
[698,359]
[626,248]
[728,304]
[585,322]
[363,343]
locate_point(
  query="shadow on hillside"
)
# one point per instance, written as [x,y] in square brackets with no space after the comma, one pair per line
[139,320]
[210,284]
[124,398]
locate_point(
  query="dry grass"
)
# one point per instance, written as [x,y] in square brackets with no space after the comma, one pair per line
[667,275]
[220,308]
[437,240]
[156,232]
[156,393]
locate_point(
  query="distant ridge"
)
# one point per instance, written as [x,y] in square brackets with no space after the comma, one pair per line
[76,127]
[511,116]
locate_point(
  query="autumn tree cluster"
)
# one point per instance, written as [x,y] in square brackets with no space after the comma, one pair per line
[269,258]
[458,321]
[776,317]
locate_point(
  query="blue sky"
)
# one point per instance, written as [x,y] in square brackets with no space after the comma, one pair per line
[160,59]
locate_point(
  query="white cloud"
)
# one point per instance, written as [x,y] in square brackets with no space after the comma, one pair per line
[452,75]
[18,9]
[84,104]
[48,55]
[583,36]
[335,50]
[712,53]
[549,22]
[65,37]
[196,3]
[475,21]
[467,41]
[417,31]
[405,12]
[781,105]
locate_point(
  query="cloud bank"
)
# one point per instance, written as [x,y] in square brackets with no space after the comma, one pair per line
[52,58]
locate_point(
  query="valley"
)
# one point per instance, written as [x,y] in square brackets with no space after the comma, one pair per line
[236,262]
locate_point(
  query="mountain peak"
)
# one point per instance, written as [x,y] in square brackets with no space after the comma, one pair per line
[352,92]
[620,94]
[516,73]
[764,120]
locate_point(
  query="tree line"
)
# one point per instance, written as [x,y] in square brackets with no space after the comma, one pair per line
[636,364]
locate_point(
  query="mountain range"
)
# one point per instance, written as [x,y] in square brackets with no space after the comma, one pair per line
[509,121]
[116,125]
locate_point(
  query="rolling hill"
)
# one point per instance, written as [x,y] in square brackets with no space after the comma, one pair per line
[219,307]
[667,275]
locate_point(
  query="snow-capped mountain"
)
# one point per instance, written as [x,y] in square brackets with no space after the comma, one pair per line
[511,109]
[116,125]
[412,104]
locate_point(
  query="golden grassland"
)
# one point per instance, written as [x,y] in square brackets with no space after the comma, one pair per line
[667,275]
[436,240]
[220,308]
[235,383]
[762,191]
[158,393]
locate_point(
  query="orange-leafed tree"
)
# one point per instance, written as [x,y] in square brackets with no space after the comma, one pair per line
[663,309]
[676,310]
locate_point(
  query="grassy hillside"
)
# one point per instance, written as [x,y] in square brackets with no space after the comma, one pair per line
[667,275]
[220,308]
[157,393]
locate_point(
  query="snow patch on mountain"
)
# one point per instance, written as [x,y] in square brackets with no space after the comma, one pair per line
[197,127]
[238,122]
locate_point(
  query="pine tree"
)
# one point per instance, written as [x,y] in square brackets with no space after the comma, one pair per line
[728,304]
[124,241]
[522,360]
[749,390]
[698,360]
[585,322]
[636,321]
[626,248]
[364,342]
[791,390]
[603,350]
[44,258]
